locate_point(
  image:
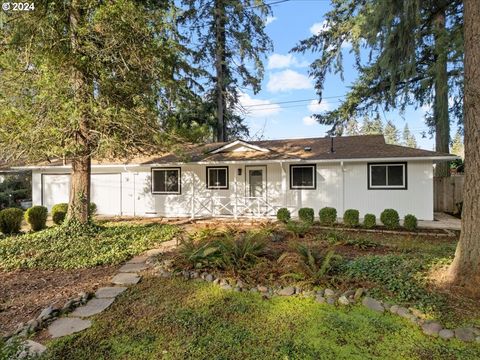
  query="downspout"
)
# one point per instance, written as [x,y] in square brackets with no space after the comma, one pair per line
[343,186]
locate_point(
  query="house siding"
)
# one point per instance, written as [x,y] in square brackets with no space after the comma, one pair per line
[339,187]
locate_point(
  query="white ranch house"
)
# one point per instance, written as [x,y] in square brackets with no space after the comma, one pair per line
[255,179]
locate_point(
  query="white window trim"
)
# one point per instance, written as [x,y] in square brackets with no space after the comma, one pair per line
[179,172]
[386,186]
[220,187]
[304,187]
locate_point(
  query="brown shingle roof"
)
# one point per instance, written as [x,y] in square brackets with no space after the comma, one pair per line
[345,147]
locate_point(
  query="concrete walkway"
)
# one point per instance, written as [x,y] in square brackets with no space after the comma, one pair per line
[442,221]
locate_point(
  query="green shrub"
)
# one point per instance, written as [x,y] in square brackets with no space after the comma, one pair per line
[298,228]
[306,215]
[36,217]
[310,264]
[283,215]
[410,222]
[92,209]
[390,219]
[241,251]
[328,216]
[11,220]
[351,218]
[59,212]
[369,221]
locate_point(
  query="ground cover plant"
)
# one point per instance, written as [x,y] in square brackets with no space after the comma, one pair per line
[395,268]
[179,319]
[65,248]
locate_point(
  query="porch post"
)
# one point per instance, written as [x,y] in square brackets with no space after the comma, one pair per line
[192,177]
[235,215]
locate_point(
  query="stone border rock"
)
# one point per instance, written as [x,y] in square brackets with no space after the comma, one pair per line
[328,296]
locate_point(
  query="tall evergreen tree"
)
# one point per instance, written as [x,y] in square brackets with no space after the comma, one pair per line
[352,127]
[230,34]
[465,268]
[372,126]
[457,145]
[408,139]
[82,78]
[391,133]
[416,52]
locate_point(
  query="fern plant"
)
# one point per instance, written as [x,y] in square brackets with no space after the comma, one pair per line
[239,252]
[310,265]
[199,253]
[298,228]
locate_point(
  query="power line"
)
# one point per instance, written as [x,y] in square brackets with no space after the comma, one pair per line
[293,101]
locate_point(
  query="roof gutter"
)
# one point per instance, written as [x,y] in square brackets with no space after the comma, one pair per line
[391,159]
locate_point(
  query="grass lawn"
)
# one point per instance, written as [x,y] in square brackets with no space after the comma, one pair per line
[178,319]
[54,248]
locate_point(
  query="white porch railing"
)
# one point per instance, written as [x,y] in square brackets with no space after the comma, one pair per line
[235,207]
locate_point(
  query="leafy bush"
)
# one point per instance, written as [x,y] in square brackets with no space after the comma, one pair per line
[59,212]
[92,209]
[362,243]
[36,217]
[283,215]
[369,221]
[63,248]
[199,254]
[11,220]
[390,218]
[328,216]
[335,237]
[351,218]
[310,264]
[298,228]
[410,222]
[306,215]
[239,252]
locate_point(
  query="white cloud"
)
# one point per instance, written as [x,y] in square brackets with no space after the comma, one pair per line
[309,120]
[318,28]
[317,107]
[258,107]
[288,80]
[279,61]
[270,19]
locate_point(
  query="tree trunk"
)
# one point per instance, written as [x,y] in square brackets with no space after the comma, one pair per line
[465,268]
[440,108]
[80,180]
[220,68]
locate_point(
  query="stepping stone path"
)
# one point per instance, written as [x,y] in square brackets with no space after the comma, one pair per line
[104,297]
[93,307]
[68,326]
[126,279]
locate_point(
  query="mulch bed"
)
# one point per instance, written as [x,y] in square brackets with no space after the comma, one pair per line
[24,293]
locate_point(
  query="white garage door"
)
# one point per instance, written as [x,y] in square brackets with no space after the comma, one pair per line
[107,193]
[55,189]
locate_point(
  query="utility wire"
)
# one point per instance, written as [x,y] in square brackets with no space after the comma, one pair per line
[293,101]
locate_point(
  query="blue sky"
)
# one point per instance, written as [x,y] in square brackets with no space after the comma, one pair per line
[286,79]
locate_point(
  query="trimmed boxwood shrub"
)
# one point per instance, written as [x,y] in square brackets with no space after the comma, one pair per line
[283,215]
[390,218]
[328,216]
[92,209]
[306,215]
[369,221]
[59,212]
[351,218]
[410,222]
[36,217]
[11,220]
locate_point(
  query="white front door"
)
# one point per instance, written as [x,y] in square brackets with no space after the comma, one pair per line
[256,181]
